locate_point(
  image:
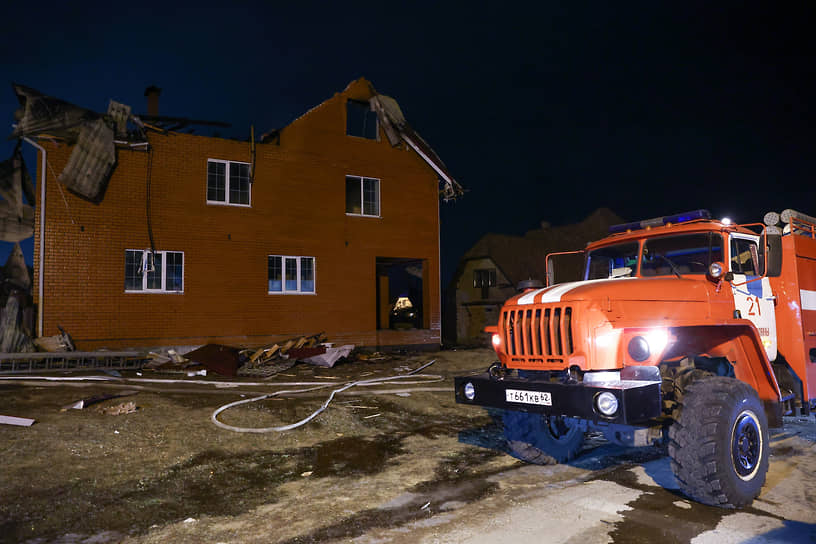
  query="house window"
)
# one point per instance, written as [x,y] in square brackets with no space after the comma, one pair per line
[362,196]
[361,121]
[291,275]
[484,277]
[228,182]
[154,272]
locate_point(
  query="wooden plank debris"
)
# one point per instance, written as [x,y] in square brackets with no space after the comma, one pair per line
[271,359]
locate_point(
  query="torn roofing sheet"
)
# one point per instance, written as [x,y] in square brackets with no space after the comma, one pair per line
[12,227]
[16,217]
[397,129]
[92,161]
[16,182]
[39,114]
[15,270]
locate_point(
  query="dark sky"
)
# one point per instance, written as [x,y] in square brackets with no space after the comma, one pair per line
[543,112]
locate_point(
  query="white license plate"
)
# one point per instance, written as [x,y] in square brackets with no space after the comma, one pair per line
[528,397]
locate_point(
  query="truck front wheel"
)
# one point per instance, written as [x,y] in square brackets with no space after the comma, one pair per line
[540,439]
[719,442]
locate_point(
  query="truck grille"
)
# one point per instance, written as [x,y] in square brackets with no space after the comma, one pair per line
[537,332]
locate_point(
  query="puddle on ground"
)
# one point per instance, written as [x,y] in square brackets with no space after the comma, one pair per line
[456,483]
[350,456]
[664,515]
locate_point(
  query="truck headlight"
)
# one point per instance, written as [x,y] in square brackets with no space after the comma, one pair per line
[606,403]
[496,339]
[469,391]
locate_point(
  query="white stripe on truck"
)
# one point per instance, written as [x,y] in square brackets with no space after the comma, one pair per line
[554,293]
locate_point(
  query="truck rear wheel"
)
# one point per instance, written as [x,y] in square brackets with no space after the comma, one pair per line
[718,443]
[540,439]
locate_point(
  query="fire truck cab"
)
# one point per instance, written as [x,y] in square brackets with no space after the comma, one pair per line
[684,331]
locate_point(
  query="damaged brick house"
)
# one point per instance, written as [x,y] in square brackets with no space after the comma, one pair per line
[319,226]
[490,271]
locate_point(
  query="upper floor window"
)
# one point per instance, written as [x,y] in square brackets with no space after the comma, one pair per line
[228,182]
[154,271]
[289,274]
[362,196]
[484,279]
[361,120]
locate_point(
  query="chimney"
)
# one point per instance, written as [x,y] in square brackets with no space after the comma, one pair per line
[152,93]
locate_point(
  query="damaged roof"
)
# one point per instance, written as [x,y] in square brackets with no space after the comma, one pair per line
[397,131]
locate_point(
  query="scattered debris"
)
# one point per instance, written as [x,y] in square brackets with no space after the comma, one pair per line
[19,421]
[332,355]
[223,360]
[54,344]
[84,403]
[372,415]
[307,473]
[271,359]
[376,356]
[426,505]
[124,408]
[202,372]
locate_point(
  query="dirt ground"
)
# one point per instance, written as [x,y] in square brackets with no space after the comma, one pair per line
[394,462]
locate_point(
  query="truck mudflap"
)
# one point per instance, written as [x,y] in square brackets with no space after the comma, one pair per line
[637,401]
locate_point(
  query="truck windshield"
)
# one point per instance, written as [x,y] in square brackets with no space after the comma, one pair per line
[683,254]
[615,261]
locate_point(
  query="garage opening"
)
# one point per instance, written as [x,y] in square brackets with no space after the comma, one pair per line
[401,296]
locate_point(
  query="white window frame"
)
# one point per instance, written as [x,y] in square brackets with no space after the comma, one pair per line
[226,201]
[362,196]
[298,259]
[163,288]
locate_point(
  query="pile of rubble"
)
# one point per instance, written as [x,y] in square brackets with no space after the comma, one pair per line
[259,362]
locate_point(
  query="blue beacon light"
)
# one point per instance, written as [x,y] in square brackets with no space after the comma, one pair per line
[660,221]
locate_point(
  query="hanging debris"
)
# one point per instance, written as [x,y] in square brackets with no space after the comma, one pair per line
[92,162]
[93,158]
[14,336]
[397,130]
[15,272]
[16,217]
[43,114]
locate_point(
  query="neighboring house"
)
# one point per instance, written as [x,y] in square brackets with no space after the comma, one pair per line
[320,226]
[490,271]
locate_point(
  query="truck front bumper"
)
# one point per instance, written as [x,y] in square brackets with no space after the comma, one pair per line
[638,401]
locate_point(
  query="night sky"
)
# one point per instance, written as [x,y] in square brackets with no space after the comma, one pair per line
[542,112]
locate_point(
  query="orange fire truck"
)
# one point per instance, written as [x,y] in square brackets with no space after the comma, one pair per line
[684,331]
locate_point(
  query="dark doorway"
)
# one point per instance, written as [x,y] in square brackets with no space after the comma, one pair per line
[401,297]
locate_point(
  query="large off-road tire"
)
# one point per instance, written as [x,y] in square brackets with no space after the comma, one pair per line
[542,440]
[718,443]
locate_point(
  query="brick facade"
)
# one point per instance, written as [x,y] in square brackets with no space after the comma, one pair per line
[297,208]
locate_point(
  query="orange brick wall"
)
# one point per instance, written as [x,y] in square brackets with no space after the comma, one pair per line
[298,208]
